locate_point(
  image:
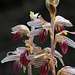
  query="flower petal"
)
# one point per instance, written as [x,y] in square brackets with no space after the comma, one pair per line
[45,68]
[34,32]
[17,67]
[69,41]
[35,23]
[67,70]
[10,58]
[34,57]
[62,21]
[17,36]
[59,56]
[64,47]
[19,50]
[42,35]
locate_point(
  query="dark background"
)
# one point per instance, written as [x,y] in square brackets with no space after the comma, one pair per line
[14,12]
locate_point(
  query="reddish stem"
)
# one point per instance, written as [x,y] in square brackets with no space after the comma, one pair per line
[52,43]
[29,70]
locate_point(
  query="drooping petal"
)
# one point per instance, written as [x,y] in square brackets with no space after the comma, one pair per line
[23,58]
[17,36]
[10,58]
[34,32]
[63,22]
[64,47]
[69,41]
[59,56]
[42,35]
[45,68]
[67,70]
[35,23]
[17,67]
[59,28]
[20,28]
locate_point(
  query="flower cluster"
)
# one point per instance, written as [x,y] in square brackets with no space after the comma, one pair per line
[45,59]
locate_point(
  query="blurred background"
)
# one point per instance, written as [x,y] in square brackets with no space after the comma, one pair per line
[15,12]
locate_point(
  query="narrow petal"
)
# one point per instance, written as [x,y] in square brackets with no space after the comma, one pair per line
[10,58]
[34,57]
[62,21]
[47,26]
[35,23]
[42,35]
[70,42]
[34,18]
[34,32]
[17,67]
[19,50]
[59,56]
[34,15]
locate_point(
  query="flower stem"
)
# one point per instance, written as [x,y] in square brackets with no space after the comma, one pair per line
[29,70]
[52,43]
[52,39]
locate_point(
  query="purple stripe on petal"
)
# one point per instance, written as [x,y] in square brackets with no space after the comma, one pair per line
[42,35]
[17,36]
[64,47]
[45,68]
[24,61]
[17,67]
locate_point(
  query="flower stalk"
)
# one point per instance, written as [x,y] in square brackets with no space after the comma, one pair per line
[29,69]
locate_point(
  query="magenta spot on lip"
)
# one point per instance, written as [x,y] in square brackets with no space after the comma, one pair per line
[64,47]
[43,35]
[17,67]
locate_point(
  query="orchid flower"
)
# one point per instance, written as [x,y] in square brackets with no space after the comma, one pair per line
[60,23]
[19,31]
[67,70]
[19,56]
[63,40]
[44,60]
[42,32]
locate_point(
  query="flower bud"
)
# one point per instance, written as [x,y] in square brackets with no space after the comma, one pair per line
[54,2]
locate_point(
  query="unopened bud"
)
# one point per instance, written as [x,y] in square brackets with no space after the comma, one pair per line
[54,2]
[52,9]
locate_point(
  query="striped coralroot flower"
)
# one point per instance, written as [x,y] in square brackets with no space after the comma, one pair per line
[64,41]
[67,70]
[19,31]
